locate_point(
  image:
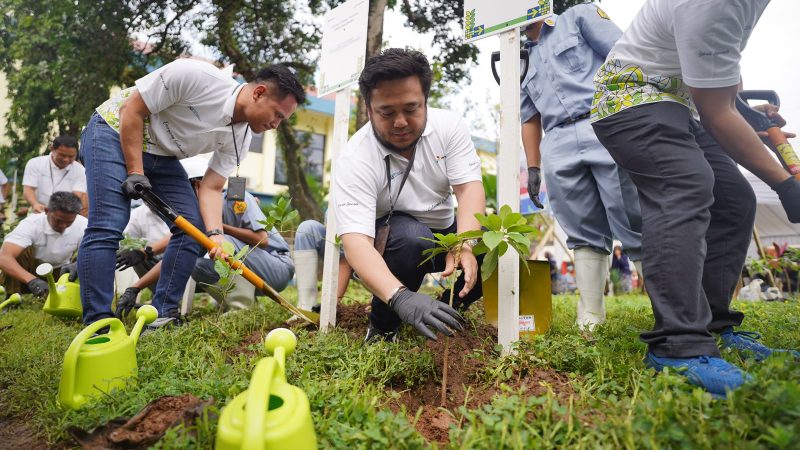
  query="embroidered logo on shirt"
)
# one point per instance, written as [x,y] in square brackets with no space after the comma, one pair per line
[603,14]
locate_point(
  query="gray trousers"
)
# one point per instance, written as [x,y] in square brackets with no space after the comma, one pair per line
[698,212]
[592,199]
[276,269]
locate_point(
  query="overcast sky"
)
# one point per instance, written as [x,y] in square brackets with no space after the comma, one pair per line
[770,61]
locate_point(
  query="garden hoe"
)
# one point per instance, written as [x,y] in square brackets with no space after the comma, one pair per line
[170,215]
[761,122]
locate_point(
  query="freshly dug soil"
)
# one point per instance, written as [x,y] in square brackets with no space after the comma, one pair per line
[467,383]
[16,434]
[146,427]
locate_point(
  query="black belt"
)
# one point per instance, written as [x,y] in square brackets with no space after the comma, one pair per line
[570,121]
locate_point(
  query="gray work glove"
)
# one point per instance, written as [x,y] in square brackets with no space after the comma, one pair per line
[534,184]
[126,302]
[789,194]
[421,311]
[72,270]
[39,287]
[129,185]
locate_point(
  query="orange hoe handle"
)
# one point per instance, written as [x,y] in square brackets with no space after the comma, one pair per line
[784,149]
[169,214]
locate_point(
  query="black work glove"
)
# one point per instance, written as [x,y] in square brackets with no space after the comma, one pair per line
[129,185]
[71,269]
[130,258]
[534,184]
[789,194]
[421,311]
[126,302]
[39,287]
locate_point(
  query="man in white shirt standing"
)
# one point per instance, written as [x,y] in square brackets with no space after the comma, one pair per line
[394,185]
[679,62]
[137,137]
[57,171]
[51,237]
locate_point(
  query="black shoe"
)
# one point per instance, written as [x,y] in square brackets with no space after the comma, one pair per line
[375,335]
[317,308]
[161,323]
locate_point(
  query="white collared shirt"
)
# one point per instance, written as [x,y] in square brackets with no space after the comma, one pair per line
[41,173]
[445,157]
[145,224]
[49,246]
[191,105]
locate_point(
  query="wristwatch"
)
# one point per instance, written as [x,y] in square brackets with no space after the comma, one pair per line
[471,242]
[213,232]
[148,251]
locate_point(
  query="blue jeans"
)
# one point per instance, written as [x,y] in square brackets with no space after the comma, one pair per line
[109,212]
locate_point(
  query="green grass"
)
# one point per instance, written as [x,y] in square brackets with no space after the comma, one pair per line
[617,403]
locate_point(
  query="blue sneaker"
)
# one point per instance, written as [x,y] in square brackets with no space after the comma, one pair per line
[713,374]
[745,341]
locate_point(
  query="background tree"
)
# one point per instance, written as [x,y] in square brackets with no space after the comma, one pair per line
[254,33]
[61,58]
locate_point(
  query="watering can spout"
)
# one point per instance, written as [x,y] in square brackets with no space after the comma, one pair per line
[46,270]
[271,413]
[145,315]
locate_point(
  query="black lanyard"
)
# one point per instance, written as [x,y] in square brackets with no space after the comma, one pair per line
[402,183]
[236,147]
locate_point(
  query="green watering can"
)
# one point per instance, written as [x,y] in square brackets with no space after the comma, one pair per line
[271,414]
[96,365]
[14,299]
[64,299]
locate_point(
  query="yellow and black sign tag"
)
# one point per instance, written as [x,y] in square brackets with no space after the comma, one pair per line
[603,14]
[239,207]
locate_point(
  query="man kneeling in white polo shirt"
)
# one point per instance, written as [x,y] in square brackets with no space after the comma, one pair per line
[392,187]
[52,238]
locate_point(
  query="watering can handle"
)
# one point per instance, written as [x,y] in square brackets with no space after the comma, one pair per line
[255,410]
[67,387]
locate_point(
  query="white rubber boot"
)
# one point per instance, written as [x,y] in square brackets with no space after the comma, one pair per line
[242,296]
[591,271]
[306,265]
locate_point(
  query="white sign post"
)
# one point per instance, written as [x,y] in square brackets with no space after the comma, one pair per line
[344,48]
[484,18]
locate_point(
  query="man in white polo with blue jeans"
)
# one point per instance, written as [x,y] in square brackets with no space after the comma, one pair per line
[664,109]
[137,137]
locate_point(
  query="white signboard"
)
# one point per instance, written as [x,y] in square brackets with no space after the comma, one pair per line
[344,45]
[487,17]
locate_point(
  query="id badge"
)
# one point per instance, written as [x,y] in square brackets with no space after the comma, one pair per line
[381,237]
[236,186]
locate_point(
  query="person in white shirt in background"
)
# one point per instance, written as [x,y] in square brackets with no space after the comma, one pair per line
[58,171]
[52,237]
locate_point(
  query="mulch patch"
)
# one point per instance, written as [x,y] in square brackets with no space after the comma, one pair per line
[146,427]
[16,434]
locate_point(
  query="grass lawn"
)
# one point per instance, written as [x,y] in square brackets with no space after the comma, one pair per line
[558,391]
